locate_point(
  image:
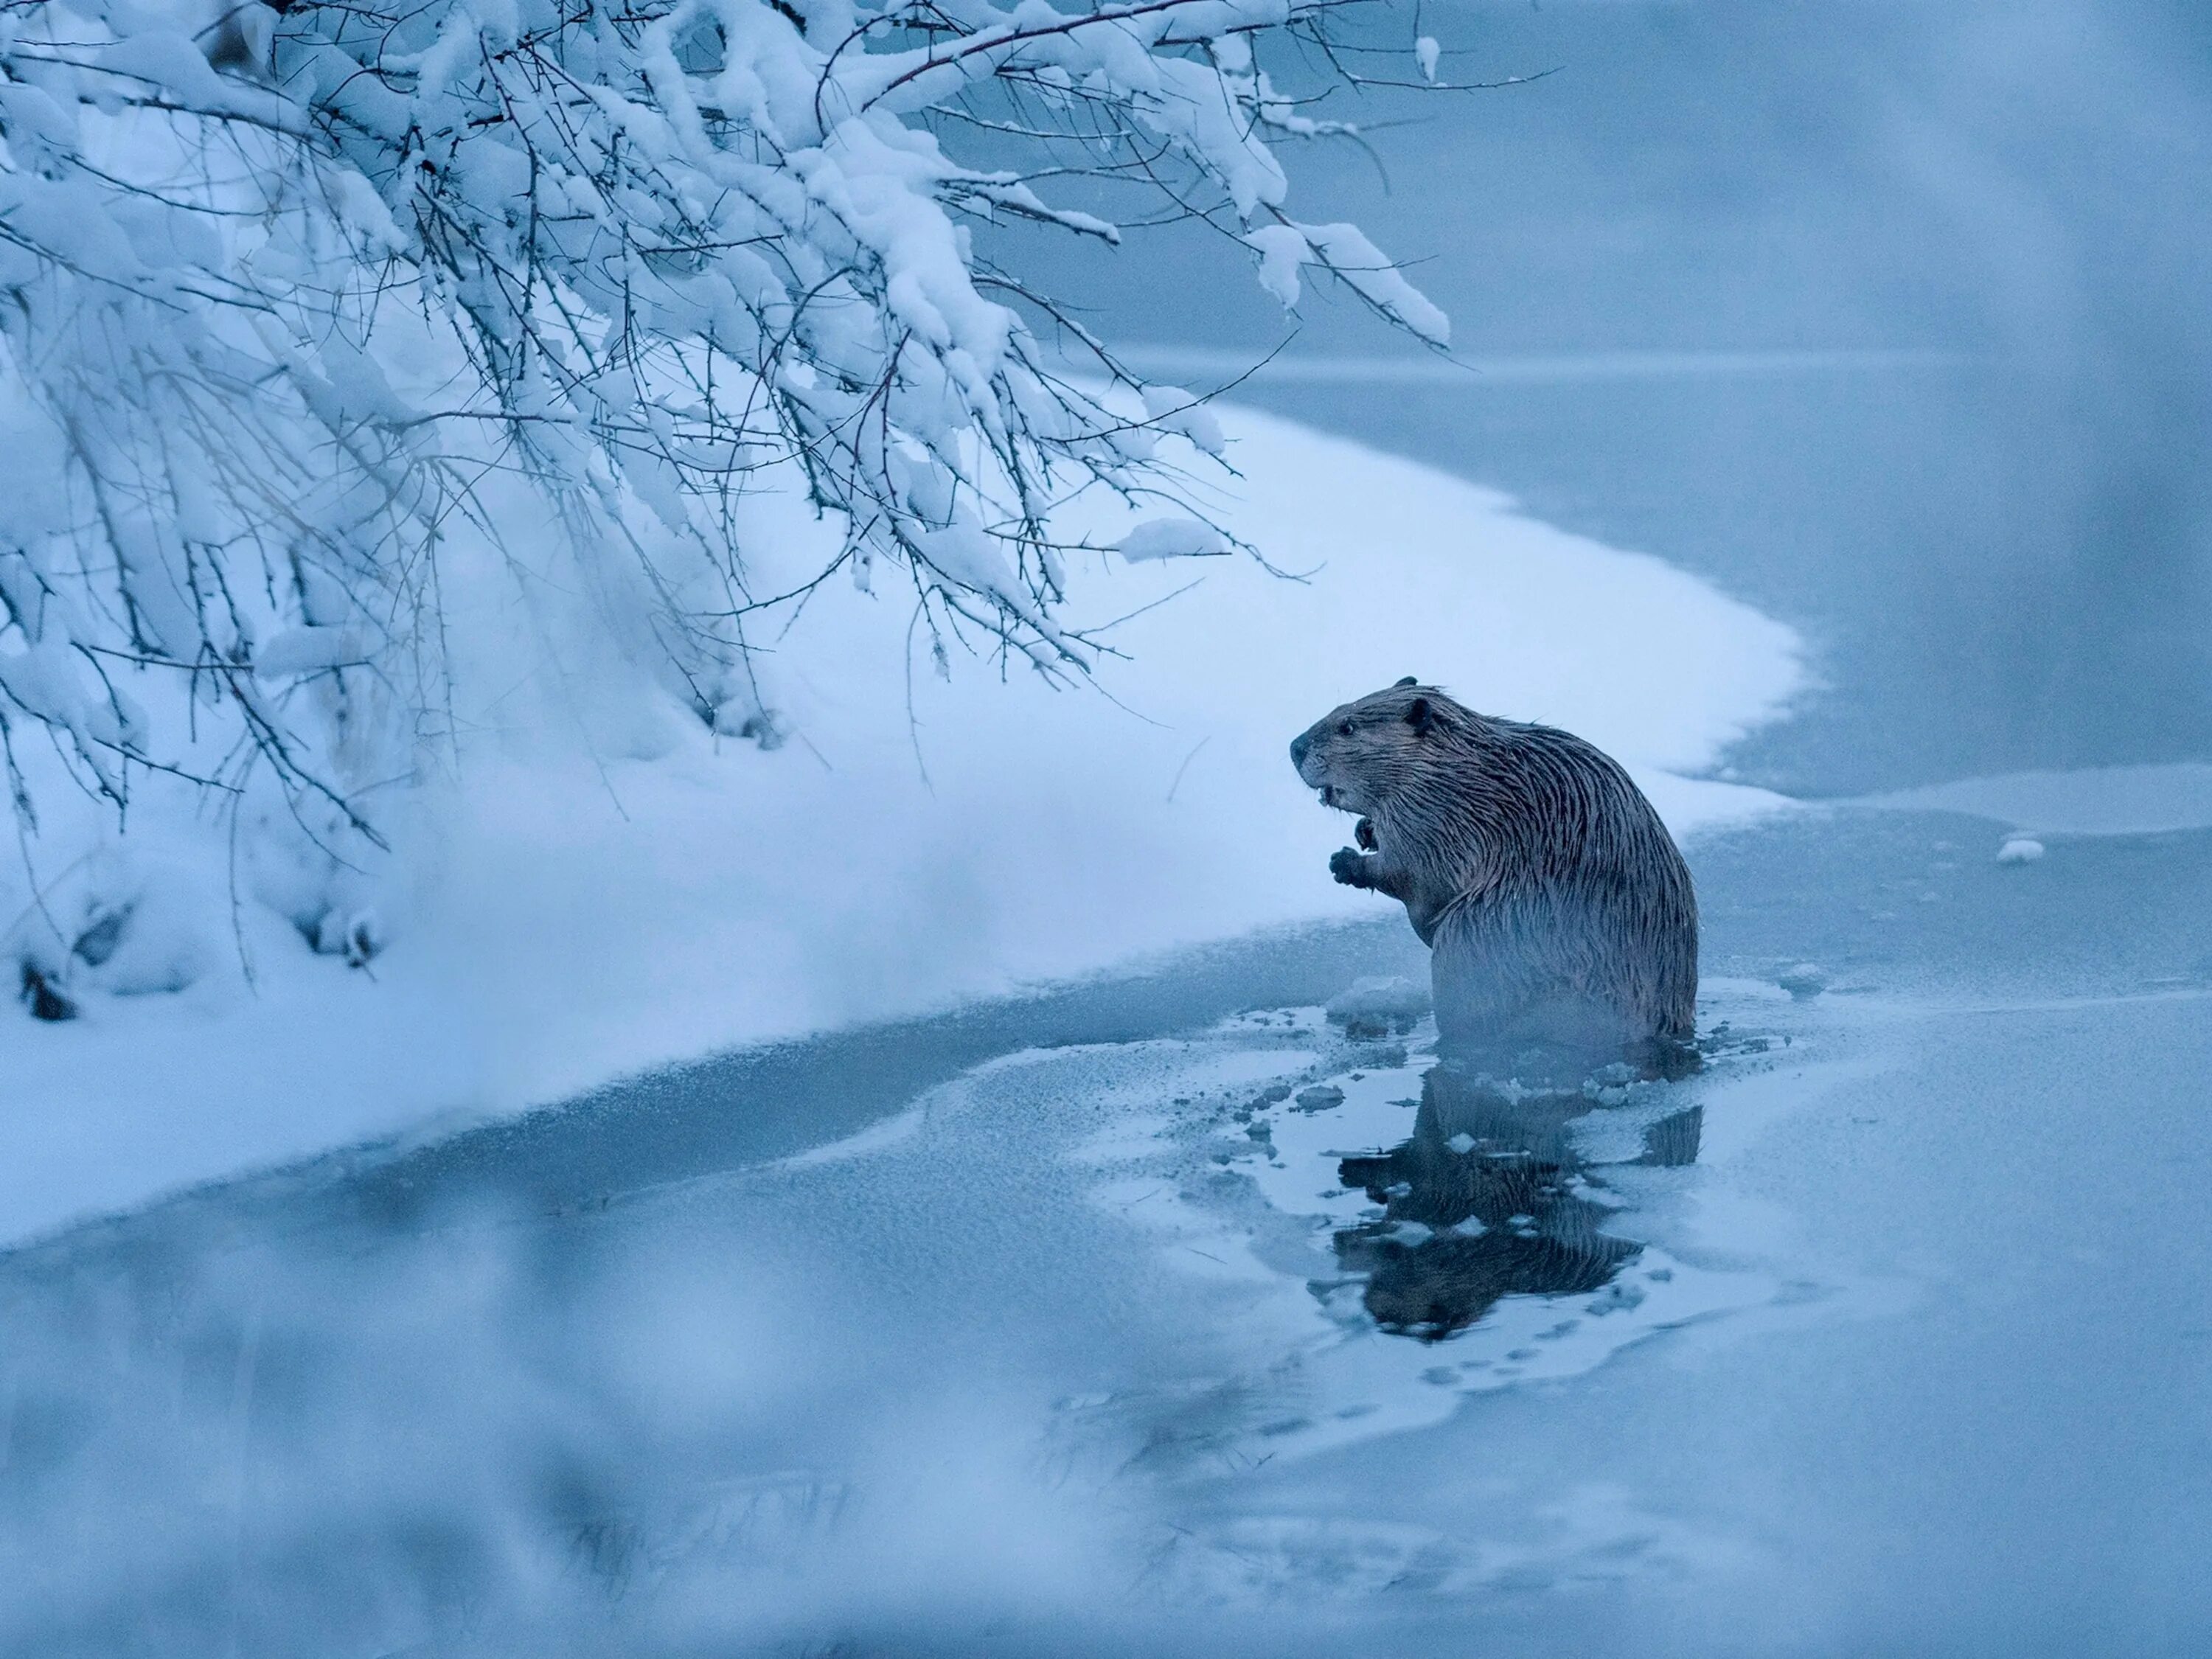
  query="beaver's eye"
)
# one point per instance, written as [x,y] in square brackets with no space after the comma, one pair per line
[1344,728]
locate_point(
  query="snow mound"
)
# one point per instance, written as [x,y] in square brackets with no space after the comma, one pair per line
[586,910]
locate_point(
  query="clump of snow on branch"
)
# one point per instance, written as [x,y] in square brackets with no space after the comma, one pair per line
[1345,251]
[295,291]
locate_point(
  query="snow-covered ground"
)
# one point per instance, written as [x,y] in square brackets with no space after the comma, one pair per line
[605,890]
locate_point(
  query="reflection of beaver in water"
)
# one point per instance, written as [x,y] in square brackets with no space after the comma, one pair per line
[1493,1175]
[1560,913]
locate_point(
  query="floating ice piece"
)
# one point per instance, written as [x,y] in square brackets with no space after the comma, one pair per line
[1374,1005]
[2019,849]
[1806,981]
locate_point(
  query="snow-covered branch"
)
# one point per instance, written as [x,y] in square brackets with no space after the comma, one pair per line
[283,285]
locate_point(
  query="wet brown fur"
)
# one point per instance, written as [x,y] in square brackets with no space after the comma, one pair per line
[1558,906]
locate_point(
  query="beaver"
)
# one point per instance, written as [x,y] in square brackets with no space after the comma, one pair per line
[1560,913]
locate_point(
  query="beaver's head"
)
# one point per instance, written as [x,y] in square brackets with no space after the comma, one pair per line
[1363,753]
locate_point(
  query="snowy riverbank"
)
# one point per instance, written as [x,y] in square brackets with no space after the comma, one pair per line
[579,917]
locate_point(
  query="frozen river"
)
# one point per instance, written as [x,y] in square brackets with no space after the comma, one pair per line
[1888,1332]
[1161,1314]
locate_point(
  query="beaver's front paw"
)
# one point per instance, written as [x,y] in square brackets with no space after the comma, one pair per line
[1363,836]
[1349,866]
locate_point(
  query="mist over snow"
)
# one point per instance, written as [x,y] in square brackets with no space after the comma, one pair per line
[605,887]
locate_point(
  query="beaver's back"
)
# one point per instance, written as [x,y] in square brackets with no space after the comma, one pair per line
[1582,929]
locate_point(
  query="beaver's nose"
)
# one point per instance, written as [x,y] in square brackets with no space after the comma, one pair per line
[1299,744]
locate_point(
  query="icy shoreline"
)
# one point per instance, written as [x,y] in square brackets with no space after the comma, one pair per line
[925,843]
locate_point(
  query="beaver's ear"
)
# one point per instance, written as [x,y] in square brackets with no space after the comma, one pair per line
[1408,680]
[1419,714]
